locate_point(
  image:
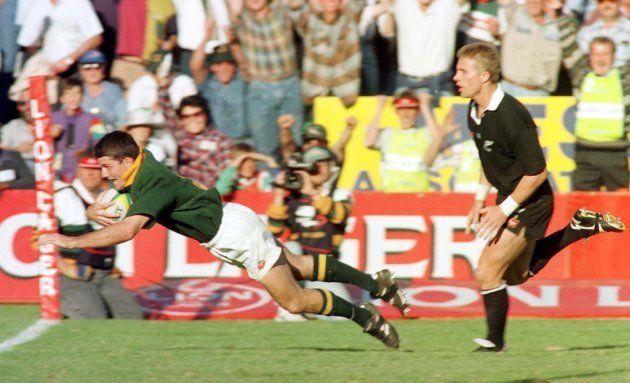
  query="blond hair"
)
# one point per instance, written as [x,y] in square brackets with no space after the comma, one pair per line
[603,40]
[486,56]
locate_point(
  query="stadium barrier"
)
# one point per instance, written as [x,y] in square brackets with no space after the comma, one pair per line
[554,116]
[419,237]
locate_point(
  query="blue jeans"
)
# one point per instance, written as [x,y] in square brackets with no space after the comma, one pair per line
[439,85]
[8,35]
[517,91]
[266,101]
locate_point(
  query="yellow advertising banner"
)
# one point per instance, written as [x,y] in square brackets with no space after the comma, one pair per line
[555,117]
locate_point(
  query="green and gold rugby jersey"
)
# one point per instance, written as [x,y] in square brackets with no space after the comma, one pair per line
[175,202]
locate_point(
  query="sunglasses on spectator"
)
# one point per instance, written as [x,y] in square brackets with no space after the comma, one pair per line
[192,115]
[91,66]
[607,1]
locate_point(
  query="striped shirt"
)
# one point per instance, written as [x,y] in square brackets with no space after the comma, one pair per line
[202,156]
[267,44]
[332,54]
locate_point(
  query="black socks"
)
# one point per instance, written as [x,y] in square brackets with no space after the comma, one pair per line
[328,269]
[335,306]
[496,304]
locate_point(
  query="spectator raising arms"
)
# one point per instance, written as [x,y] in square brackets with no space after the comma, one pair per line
[331,63]
[222,85]
[69,27]
[265,35]
[426,31]
[408,152]
[530,50]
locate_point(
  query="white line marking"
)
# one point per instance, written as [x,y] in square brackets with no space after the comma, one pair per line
[37,329]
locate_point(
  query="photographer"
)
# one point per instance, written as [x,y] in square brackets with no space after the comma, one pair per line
[304,204]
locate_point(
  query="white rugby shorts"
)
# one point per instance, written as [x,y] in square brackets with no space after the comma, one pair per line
[243,240]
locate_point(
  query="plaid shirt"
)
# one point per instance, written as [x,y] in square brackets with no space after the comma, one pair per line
[332,55]
[268,44]
[202,156]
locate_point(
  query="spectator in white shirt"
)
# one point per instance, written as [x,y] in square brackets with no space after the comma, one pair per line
[426,31]
[192,16]
[69,29]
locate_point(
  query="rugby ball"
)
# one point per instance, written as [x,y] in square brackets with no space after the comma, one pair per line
[122,202]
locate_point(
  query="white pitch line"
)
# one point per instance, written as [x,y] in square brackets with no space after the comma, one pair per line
[37,329]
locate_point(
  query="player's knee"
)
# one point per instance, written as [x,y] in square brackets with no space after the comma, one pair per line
[294,305]
[487,279]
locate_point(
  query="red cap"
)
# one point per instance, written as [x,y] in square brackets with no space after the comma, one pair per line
[89,162]
[406,102]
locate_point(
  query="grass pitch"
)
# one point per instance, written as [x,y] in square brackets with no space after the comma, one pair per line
[541,350]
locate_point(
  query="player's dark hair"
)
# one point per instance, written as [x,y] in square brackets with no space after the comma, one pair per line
[117,145]
[195,101]
[486,56]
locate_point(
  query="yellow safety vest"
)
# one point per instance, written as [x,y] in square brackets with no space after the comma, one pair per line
[403,169]
[468,168]
[600,110]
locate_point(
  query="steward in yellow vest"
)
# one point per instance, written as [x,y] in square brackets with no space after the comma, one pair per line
[603,108]
[407,152]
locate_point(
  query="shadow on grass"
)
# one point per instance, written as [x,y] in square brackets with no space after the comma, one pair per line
[554,378]
[295,348]
[593,348]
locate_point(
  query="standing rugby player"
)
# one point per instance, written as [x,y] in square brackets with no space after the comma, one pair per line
[512,161]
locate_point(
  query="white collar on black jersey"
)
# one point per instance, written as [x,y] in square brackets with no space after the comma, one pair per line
[495,100]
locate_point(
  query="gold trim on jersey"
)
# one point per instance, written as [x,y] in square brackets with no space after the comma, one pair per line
[130,175]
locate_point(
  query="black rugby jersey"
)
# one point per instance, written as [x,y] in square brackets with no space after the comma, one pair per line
[507,141]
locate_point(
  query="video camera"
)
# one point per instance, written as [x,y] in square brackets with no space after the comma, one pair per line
[293,180]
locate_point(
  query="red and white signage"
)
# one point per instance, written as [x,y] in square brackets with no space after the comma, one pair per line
[420,237]
[43,150]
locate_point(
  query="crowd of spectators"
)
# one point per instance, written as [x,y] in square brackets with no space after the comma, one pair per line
[214,86]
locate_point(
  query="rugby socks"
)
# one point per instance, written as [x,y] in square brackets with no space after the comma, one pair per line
[496,303]
[335,306]
[328,269]
[546,248]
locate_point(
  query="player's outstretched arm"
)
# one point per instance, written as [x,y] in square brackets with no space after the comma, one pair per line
[108,236]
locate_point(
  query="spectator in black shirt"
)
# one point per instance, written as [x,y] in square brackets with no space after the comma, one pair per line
[14,174]
[512,161]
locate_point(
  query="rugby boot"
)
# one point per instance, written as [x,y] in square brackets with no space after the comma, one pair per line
[390,292]
[380,328]
[594,222]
